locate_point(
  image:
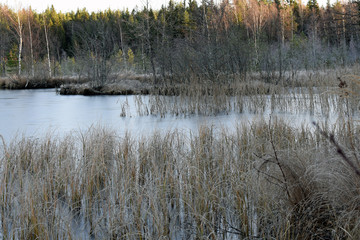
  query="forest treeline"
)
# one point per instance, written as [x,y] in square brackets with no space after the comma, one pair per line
[181,41]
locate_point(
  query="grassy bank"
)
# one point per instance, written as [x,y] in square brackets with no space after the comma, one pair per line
[266,180]
[329,101]
[129,83]
[16,82]
[225,84]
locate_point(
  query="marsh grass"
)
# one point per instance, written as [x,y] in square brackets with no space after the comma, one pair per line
[16,82]
[263,180]
[321,101]
[315,94]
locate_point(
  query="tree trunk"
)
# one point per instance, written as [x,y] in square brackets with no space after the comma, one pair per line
[31,52]
[122,45]
[149,42]
[20,41]
[47,48]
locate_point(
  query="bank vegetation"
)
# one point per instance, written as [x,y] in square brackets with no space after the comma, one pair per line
[182,42]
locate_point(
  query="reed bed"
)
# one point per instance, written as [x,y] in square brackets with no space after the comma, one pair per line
[265,180]
[19,82]
[262,180]
[325,102]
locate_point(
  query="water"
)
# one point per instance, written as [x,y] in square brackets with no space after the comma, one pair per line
[33,113]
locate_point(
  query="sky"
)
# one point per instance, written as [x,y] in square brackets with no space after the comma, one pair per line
[91,5]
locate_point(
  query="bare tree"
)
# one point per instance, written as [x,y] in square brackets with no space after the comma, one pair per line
[29,17]
[16,24]
[47,46]
[95,43]
[122,44]
[19,31]
[255,20]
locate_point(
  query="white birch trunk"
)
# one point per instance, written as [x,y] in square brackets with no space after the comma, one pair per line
[47,48]
[31,52]
[20,40]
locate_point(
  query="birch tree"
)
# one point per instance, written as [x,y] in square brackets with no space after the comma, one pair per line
[255,20]
[16,23]
[29,18]
[47,46]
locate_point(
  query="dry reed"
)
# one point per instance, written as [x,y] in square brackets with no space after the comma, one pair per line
[266,180]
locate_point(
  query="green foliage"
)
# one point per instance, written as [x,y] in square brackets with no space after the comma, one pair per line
[12,59]
[313,5]
[184,37]
[131,57]
[119,56]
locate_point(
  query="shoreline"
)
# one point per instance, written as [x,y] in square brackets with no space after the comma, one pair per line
[17,83]
[119,87]
[138,84]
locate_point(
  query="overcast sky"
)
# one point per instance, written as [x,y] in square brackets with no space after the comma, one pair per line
[91,5]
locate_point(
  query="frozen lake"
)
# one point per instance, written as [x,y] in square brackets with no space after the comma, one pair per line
[34,113]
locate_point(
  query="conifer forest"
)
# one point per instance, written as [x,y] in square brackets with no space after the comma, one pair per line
[182,40]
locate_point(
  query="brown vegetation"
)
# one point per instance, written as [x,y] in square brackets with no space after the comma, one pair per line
[16,82]
[121,87]
[266,180]
[231,85]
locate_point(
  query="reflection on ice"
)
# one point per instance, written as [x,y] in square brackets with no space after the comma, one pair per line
[35,112]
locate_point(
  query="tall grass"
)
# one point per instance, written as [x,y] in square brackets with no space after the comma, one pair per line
[315,93]
[19,82]
[264,180]
[323,102]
